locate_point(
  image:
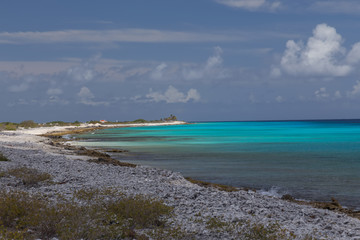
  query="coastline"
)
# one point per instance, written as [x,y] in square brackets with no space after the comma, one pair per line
[26,148]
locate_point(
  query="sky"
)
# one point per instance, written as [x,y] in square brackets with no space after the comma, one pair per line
[201,60]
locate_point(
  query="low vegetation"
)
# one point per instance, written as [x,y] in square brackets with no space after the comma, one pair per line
[28,124]
[11,126]
[3,158]
[8,126]
[90,214]
[246,230]
[29,177]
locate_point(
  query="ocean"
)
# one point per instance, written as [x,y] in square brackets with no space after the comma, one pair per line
[310,160]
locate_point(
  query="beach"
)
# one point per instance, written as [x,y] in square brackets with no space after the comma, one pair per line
[193,204]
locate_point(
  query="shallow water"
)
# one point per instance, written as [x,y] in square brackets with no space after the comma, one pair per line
[313,160]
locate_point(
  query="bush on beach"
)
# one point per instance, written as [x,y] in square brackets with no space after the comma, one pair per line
[8,126]
[29,177]
[89,215]
[3,158]
[28,124]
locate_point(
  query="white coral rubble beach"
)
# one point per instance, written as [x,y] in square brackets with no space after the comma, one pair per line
[26,148]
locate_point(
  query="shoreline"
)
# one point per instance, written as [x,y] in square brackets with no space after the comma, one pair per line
[26,148]
[331,203]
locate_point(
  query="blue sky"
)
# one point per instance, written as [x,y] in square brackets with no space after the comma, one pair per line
[196,59]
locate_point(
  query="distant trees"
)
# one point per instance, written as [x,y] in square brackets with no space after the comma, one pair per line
[171,118]
[28,124]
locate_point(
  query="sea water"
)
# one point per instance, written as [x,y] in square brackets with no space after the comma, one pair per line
[311,160]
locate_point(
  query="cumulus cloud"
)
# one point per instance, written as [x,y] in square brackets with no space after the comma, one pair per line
[86,97]
[251,4]
[212,68]
[321,93]
[322,55]
[355,91]
[85,71]
[158,72]
[172,95]
[353,56]
[85,93]
[22,87]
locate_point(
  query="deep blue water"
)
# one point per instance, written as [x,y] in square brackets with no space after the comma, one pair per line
[313,160]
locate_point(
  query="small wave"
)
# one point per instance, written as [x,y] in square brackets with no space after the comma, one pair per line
[273,192]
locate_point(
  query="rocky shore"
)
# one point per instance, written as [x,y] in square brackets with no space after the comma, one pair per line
[195,207]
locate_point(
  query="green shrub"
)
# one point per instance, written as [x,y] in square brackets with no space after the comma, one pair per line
[270,232]
[139,211]
[140,121]
[29,176]
[3,158]
[106,214]
[28,124]
[10,127]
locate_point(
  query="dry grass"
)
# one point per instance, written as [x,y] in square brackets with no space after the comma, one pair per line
[103,215]
[29,177]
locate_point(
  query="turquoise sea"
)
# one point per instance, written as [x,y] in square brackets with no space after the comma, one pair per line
[311,160]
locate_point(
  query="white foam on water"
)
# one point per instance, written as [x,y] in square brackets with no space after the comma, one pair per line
[273,192]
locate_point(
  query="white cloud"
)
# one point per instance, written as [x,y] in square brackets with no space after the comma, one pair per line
[113,36]
[54,91]
[337,95]
[353,56]
[331,6]
[158,72]
[275,72]
[22,87]
[355,91]
[321,93]
[212,69]
[279,99]
[172,95]
[86,97]
[323,55]
[85,71]
[85,93]
[251,4]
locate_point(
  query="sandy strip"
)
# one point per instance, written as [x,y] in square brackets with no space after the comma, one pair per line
[71,172]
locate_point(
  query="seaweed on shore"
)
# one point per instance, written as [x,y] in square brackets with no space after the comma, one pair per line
[334,205]
[59,134]
[98,157]
[220,187]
